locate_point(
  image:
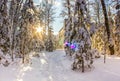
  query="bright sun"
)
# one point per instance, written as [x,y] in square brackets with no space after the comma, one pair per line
[39,29]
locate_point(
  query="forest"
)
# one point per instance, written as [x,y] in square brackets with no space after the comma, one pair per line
[91,40]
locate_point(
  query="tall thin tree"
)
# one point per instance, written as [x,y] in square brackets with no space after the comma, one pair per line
[111,47]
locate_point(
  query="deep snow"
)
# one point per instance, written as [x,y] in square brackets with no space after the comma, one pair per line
[55,66]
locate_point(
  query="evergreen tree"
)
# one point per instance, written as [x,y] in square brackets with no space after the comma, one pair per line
[49,18]
[4,38]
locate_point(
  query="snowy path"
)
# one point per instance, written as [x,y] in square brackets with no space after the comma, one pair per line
[55,66]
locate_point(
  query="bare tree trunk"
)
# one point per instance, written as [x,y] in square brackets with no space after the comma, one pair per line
[48,24]
[98,12]
[11,16]
[111,47]
[23,51]
[68,3]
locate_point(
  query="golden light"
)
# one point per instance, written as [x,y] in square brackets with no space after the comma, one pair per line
[39,29]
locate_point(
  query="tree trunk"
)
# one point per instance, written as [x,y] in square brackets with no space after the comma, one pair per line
[111,47]
[69,18]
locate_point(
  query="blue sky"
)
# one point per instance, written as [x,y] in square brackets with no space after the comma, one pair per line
[58,23]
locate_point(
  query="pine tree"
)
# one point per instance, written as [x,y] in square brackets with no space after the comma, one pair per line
[68,26]
[82,54]
[4,38]
[49,18]
[26,20]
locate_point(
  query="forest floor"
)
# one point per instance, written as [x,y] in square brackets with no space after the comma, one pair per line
[55,66]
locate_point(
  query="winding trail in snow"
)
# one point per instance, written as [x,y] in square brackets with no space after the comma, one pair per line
[55,66]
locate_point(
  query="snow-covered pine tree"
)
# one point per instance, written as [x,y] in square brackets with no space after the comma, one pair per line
[14,9]
[49,45]
[4,38]
[83,55]
[26,21]
[68,26]
[67,41]
[49,18]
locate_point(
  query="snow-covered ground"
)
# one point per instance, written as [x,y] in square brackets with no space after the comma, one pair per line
[55,66]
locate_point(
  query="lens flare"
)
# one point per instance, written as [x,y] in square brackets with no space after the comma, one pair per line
[72,46]
[39,29]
